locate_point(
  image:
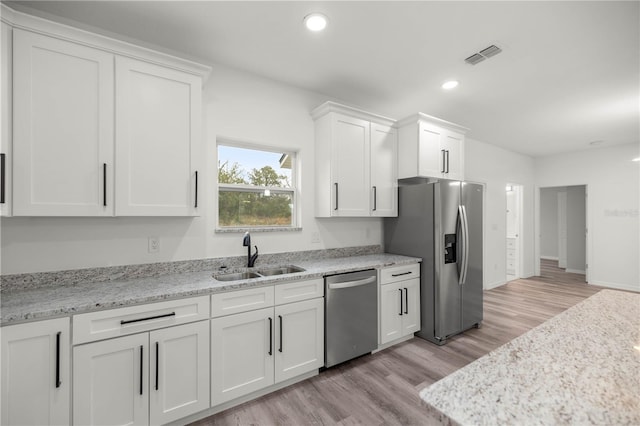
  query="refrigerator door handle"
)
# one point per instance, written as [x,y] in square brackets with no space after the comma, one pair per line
[465,244]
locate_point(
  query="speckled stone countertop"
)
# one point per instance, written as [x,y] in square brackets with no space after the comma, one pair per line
[581,367]
[68,299]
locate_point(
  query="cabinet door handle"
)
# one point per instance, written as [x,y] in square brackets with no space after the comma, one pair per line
[141,367]
[270,336]
[447,161]
[280,318]
[171,314]
[375,198]
[196,203]
[3,166]
[104,184]
[336,186]
[157,367]
[406,301]
[443,160]
[401,274]
[400,290]
[58,381]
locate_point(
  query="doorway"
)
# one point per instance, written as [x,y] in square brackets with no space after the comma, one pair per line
[563,230]
[514,231]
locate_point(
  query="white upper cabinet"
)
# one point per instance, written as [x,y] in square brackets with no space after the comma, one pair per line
[158,123]
[6,126]
[355,162]
[95,131]
[63,128]
[430,147]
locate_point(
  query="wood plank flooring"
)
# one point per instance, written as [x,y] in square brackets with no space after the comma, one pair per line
[382,389]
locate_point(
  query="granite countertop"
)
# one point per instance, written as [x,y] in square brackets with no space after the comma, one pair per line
[63,300]
[580,367]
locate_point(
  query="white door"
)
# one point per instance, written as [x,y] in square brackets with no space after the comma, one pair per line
[562,229]
[158,115]
[384,174]
[35,373]
[431,157]
[62,128]
[179,367]
[453,146]
[7,117]
[411,306]
[242,349]
[391,295]
[350,166]
[111,382]
[299,338]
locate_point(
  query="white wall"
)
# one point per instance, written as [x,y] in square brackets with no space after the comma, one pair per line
[496,167]
[613,204]
[237,105]
[549,222]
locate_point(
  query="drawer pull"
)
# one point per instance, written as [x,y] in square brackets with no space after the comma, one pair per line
[58,381]
[401,274]
[123,322]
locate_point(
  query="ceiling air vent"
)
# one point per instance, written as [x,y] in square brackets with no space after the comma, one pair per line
[483,54]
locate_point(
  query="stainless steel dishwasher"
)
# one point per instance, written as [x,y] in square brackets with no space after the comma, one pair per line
[351,316]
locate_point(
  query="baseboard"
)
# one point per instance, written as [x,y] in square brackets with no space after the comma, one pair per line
[549,257]
[616,286]
[494,284]
[575,271]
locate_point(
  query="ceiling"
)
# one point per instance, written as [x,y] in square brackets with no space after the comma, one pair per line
[568,75]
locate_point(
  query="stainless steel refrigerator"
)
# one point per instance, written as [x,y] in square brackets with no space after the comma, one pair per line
[441,222]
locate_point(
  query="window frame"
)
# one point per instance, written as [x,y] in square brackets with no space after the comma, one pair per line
[234,187]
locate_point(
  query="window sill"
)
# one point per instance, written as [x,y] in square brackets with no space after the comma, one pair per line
[257,229]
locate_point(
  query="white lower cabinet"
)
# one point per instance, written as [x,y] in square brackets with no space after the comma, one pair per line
[253,350]
[146,378]
[399,302]
[35,373]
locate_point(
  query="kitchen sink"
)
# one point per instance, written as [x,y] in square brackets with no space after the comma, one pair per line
[264,272]
[237,276]
[280,270]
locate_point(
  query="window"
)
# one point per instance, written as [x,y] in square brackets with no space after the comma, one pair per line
[256,187]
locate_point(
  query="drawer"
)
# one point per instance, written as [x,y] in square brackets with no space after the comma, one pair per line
[299,290]
[511,264]
[399,273]
[134,319]
[233,302]
[511,254]
[511,243]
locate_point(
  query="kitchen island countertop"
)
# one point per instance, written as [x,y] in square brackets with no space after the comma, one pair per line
[64,300]
[580,367]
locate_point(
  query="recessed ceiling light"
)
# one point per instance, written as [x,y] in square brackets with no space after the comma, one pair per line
[636,159]
[448,85]
[315,21]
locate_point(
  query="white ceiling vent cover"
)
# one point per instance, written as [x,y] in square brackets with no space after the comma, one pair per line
[483,54]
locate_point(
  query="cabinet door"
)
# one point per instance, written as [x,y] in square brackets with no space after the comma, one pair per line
[431,155]
[350,166]
[6,126]
[111,382]
[242,347]
[62,128]
[411,306]
[299,338]
[179,372]
[390,312]
[384,174]
[158,125]
[453,144]
[35,373]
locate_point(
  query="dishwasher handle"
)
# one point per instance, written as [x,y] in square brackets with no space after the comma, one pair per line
[349,284]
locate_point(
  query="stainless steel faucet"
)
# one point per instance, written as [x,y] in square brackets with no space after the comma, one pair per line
[251,258]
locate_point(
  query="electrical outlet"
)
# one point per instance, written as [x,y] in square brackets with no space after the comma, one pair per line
[154,245]
[315,237]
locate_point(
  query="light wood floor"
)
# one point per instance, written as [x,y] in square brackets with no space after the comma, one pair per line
[383,388]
